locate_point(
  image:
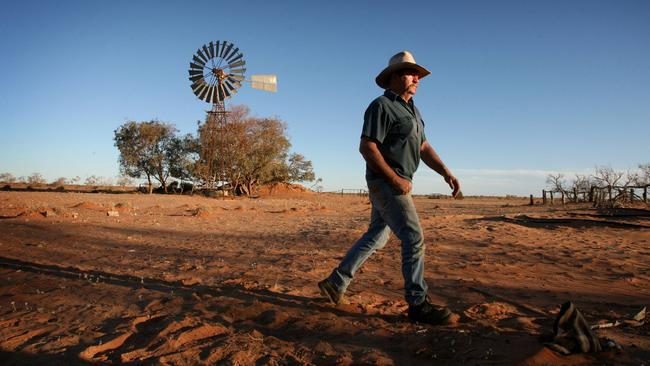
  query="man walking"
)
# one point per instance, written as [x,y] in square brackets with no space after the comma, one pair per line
[392,143]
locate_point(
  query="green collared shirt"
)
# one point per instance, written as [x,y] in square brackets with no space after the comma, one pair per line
[398,128]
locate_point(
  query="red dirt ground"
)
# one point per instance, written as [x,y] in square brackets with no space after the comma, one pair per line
[179,280]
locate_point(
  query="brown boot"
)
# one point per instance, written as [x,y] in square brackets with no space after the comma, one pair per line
[430,314]
[328,290]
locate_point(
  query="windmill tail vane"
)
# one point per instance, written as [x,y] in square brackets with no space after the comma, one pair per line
[264,82]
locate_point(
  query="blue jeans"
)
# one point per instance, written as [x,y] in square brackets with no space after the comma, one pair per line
[390,211]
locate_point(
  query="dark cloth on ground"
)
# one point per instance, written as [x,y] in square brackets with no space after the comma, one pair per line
[571,332]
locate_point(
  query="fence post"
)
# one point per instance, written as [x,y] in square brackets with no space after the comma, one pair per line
[563,200]
[551,197]
[591,193]
[531,200]
[631,195]
[609,193]
[543,196]
[645,194]
[575,195]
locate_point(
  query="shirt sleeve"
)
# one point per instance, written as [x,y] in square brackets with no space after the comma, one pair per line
[424,137]
[375,122]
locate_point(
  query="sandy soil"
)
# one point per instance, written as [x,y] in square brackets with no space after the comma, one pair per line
[178,280]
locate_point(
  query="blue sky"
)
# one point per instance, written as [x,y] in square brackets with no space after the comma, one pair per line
[518,89]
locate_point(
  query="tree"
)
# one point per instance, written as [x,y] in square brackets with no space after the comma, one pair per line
[246,153]
[608,177]
[143,147]
[581,183]
[124,181]
[7,178]
[256,152]
[317,185]
[556,182]
[59,181]
[182,155]
[294,168]
[36,178]
[92,180]
[643,177]
[300,169]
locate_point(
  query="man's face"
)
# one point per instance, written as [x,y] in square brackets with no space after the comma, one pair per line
[405,82]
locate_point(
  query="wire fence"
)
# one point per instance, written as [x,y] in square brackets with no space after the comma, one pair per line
[354,192]
[599,196]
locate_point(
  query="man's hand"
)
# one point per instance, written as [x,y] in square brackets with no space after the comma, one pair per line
[454,184]
[403,186]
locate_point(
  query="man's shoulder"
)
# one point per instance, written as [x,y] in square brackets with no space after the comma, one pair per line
[380,102]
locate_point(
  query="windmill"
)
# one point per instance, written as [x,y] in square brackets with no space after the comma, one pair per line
[217,72]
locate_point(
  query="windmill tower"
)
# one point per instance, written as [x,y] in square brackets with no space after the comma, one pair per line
[217,72]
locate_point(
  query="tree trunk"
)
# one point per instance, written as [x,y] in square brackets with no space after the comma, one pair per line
[149,184]
[162,179]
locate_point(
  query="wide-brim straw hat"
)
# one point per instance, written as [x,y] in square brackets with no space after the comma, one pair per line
[400,61]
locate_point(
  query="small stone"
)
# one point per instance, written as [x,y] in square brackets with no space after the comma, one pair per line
[113,213]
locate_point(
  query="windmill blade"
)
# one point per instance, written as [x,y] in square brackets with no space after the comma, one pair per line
[211,49]
[207,51]
[195,72]
[215,50]
[235,81]
[198,61]
[195,85]
[238,71]
[211,95]
[215,94]
[204,93]
[196,77]
[232,54]
[265,82]
[227,50]
[202,56]
[230,86]
[226,91]
[221,94]
[195,66]
[219,48]
[236,77]
[237,58]
[218,97]
[207,95]
[237,64]
[198,88]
